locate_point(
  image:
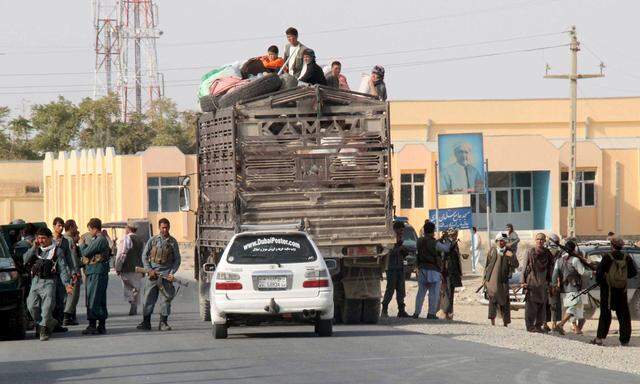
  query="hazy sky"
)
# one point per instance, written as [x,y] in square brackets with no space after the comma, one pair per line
[406,36]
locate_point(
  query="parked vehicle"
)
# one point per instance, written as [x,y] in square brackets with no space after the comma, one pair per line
[270,276]
[313,154]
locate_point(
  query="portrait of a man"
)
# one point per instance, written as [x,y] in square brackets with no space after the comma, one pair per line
[461,164]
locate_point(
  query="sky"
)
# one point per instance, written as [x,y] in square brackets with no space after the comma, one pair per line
[432,49]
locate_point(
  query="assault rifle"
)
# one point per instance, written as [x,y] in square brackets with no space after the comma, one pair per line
[586,291]
[177,281]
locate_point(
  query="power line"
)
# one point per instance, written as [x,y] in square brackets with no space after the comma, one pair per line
[518,5]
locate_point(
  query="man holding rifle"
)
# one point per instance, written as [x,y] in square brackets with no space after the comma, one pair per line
[161,259]
[567,278]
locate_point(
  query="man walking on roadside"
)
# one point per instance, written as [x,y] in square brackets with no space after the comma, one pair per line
[554,306]
[95,258]
[613,274]
[161,257]
[512,239]
[453,273]
[476,249]
[72,235]
[48,268]
[429,270]
[395,273]
[63,244]
[536,279]
[500,265]
[128,257]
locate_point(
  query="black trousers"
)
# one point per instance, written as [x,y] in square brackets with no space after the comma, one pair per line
[534,314]
[448,291]
[395,282]
[621,306]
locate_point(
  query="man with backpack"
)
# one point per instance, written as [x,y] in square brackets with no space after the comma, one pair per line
[567,274]
[612,275]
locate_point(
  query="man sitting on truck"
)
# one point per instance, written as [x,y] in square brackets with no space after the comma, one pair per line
[293,53]
[335,79]
[376,83]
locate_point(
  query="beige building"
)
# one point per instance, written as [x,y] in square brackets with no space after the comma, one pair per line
[526,143]
[21,192]
[99,183]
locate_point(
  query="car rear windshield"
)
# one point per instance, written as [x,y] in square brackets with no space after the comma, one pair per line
[266,249]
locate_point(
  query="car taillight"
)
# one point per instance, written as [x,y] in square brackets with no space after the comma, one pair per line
[315,283]
[228,285]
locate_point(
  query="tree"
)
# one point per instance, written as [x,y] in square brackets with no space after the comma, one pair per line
[168,125]
[134,135]
[100,122]
[56,126]
[15,137]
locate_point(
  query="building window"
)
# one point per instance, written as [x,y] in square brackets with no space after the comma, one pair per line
[411,190]
[585,189]
[32,189]
[163,194]
[511,191]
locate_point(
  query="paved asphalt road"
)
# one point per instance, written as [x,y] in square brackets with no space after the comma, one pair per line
[355,354]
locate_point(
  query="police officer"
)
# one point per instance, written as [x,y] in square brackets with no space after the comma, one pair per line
[48,266]
[95,258]
[161,257]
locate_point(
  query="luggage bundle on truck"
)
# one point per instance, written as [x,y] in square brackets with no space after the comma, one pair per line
[315,155]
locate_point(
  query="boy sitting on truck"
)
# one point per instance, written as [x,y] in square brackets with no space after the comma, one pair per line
[272,63]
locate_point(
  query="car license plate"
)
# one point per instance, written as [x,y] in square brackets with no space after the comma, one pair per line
[272,282]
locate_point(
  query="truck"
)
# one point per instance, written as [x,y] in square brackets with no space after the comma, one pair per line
[312,155]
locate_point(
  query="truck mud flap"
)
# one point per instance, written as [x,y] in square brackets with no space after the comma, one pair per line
[362,288]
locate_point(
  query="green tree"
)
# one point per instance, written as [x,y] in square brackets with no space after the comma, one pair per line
[56,126]
[166,123]
[15,137]
[5,141]
[99,122]
[133,136]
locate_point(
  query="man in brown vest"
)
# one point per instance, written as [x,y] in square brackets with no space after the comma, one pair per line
[537,277]
[129,257]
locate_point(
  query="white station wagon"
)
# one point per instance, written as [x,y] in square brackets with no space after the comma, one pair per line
[271,277]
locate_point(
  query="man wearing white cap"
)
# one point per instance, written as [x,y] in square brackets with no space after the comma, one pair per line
[501,263]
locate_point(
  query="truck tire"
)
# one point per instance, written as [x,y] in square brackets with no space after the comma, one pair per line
[634,305]
[209,103]
[324,328]
[203,300]
[220,331]
[352,311]
[258,87]
[16,329]
[288,82]
[370,311]
[205,309]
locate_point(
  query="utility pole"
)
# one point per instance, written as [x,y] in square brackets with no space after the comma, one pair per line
[574,47]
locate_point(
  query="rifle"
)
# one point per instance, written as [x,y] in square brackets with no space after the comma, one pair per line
[584,262]
[145,271]
[586,291]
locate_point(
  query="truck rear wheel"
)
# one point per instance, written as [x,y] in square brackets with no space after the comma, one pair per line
[352,311]
[370,311]
[324,328]
[205,305]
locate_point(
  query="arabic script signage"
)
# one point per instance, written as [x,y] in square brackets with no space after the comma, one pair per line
[456,218]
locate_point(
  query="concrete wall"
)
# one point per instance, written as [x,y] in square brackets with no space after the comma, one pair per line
[99,183]
[21,191]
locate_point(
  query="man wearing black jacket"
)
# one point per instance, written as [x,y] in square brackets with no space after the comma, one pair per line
[612,297]
[395,273]
[311,72]
[429,270]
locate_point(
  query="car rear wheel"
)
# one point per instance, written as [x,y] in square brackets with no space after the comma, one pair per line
[220,331]
[17,324]
[324,328]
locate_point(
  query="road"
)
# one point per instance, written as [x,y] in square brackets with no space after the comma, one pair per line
[188,354]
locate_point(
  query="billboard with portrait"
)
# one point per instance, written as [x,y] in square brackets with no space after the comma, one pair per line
[460,164]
